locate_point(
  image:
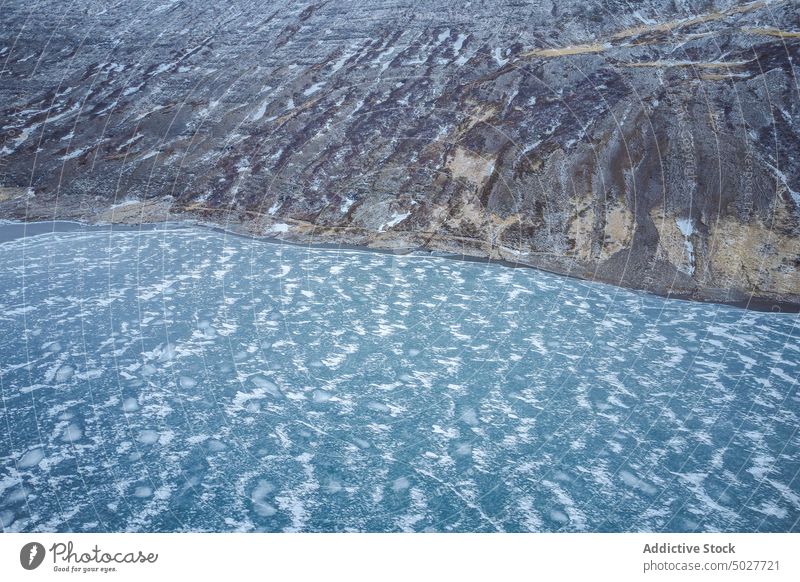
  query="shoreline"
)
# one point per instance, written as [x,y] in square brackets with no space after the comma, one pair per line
[11,230]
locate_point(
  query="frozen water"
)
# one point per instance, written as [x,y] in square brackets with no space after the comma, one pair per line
[327,390]
[187,382]
[31,458]
[400,484]
[72,433]
[148,437]
[143,491]
[321,396]
[64,373]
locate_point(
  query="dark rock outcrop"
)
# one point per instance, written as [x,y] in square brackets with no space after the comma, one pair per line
[647,144]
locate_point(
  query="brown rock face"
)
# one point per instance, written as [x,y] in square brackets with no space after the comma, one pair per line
[644,145]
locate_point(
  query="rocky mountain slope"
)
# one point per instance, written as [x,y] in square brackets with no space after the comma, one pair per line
[649,144]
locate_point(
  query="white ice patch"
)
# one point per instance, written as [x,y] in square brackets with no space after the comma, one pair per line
[498,56]
[686,226]
[361,443]
[130,142]
[633,481]
[333,486]
[20,139]
[321,396]
[31,458]
[259,499]
[260,112]
[558,516]
[401,484]
[244,398]
[165,354]
[459,43]
[463,449]
[166,437]
[74,154]
[387,53]
[216,446]
[143,491]
[72,433]
[396,219]
[280,227]
[341,62]
[313,89]
[64,373]
[782,177]
[377,407]
[131,90]
[186,382]
[155,109]
[470,417]
[125,202]
[148,437]
[334,361]
[263,384]
[148,370]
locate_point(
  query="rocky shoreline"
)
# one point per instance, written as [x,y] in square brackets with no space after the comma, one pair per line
[654,148]
[145,219]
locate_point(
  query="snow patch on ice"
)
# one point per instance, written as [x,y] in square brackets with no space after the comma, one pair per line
[31,458]
[148,437]
[401,484]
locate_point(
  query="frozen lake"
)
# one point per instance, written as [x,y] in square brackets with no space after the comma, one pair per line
[184,379]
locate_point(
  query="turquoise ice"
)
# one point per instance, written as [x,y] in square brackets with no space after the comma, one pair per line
[185,379]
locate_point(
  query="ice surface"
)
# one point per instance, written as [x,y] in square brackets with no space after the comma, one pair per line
[6,518]
[686,226]
[31,458]
[148,436]
[143,491]
[321,396]
[64,373]
[327,390]
[401,484]
[396,219]
[497,54]
[186,382]
[72,433]
[459,43]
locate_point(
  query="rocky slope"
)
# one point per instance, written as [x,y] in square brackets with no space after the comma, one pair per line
[648,144]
